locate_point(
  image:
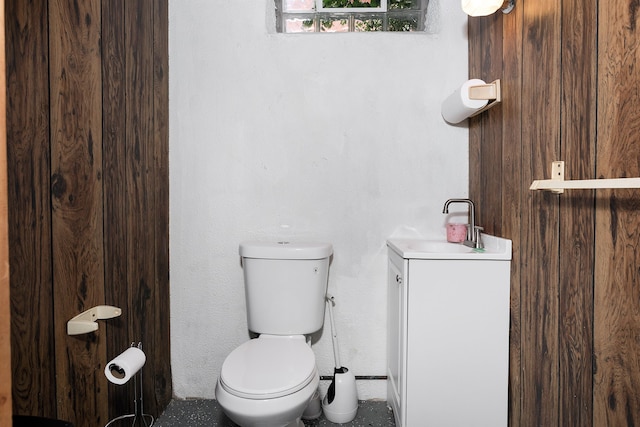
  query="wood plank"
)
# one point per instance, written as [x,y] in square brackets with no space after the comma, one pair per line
[577,219]
[485,148]
[115,193]
[162,386]
[478,33]
[539,278]
[78,262]
[28,152]
[136,160]
[495,45]
[5,304]
[617,318]
[514,194]
[141,183]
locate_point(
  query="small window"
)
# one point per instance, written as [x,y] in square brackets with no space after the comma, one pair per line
[340,16]
[348,6]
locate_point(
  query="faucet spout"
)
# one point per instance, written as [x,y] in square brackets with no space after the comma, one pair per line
[471,231]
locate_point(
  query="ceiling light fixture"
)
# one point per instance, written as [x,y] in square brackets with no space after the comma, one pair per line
[487,7]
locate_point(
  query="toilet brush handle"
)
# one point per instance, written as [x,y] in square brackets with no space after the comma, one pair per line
[334,335]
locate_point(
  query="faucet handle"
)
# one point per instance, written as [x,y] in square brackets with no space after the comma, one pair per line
[478,236]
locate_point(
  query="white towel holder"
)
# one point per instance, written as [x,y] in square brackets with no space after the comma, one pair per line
[557,184]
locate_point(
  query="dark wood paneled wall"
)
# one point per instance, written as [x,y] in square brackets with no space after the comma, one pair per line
[88,199]
[569,70]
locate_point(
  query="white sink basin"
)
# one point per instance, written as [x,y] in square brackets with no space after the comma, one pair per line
[494,248]
[435,246]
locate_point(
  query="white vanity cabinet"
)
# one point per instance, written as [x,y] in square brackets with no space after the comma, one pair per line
[448,334]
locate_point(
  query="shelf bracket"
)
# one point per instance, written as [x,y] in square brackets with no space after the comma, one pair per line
[85,322]
[557,184]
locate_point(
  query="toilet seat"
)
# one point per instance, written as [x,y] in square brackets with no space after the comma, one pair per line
[268,367]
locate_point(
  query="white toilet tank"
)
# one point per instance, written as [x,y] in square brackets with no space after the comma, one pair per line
[285,286]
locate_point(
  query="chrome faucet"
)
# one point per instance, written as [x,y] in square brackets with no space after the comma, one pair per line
[473,232]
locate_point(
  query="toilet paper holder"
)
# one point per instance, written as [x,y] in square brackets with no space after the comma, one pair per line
[472,98]
[138,401]
[85,322]
[490,92]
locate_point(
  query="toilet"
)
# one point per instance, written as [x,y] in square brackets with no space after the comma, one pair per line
[268,381]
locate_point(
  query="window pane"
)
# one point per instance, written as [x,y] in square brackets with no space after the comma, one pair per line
[299,5]
[403,23]
[404,4]
[349,3]
[363,23]
[334,24]
[299,25]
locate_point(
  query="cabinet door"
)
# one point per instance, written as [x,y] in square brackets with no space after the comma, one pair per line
[458,343]
[396,319]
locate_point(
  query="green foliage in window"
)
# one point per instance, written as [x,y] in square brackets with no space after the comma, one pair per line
[403,24]
[373,24]
[350,3]
[401,4]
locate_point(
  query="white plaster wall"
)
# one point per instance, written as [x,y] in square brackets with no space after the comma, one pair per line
[330,137]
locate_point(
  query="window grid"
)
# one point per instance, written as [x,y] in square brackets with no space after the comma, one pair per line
[398,18]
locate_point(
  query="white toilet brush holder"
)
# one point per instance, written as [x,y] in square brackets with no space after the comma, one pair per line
[340,405]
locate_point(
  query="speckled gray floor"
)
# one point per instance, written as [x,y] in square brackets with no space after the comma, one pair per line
[207,413]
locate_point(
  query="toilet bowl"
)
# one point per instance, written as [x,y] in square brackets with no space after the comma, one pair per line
[268,381]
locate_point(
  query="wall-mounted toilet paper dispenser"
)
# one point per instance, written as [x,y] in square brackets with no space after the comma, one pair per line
[470,99]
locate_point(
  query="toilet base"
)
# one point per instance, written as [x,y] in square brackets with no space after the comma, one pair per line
[268,412]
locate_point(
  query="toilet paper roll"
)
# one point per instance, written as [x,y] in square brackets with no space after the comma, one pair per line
[125,365]
[459,106]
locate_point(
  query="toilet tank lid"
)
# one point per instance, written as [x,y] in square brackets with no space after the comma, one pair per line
[285,250]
